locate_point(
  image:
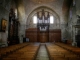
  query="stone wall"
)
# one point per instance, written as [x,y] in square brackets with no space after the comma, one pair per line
[5,6]
[68,31]
[22,19]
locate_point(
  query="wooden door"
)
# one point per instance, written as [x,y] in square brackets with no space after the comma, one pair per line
[43,37]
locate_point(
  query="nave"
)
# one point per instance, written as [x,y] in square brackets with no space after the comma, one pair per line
[40,51]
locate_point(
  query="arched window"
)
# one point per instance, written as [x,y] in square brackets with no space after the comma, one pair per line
[51,20]
[34,19]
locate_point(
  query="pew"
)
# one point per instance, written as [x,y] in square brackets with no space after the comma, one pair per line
[73,49]
[8,50]
[59,53]
[26,53]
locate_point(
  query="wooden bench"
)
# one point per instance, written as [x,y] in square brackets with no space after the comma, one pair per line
[8,50]
[73,49]
[26,53]
[59,53]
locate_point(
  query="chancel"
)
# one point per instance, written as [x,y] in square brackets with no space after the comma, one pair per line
[39,29]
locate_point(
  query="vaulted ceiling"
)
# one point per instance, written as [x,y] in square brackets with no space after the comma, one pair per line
[42,1]
[60,7]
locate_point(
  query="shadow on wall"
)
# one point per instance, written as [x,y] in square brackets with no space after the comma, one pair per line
[0,40]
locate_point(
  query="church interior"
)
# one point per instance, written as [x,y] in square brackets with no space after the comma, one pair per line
[39,29]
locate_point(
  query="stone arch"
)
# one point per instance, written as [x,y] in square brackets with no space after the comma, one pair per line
[47,9]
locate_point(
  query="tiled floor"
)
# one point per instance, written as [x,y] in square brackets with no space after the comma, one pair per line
[42,53]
